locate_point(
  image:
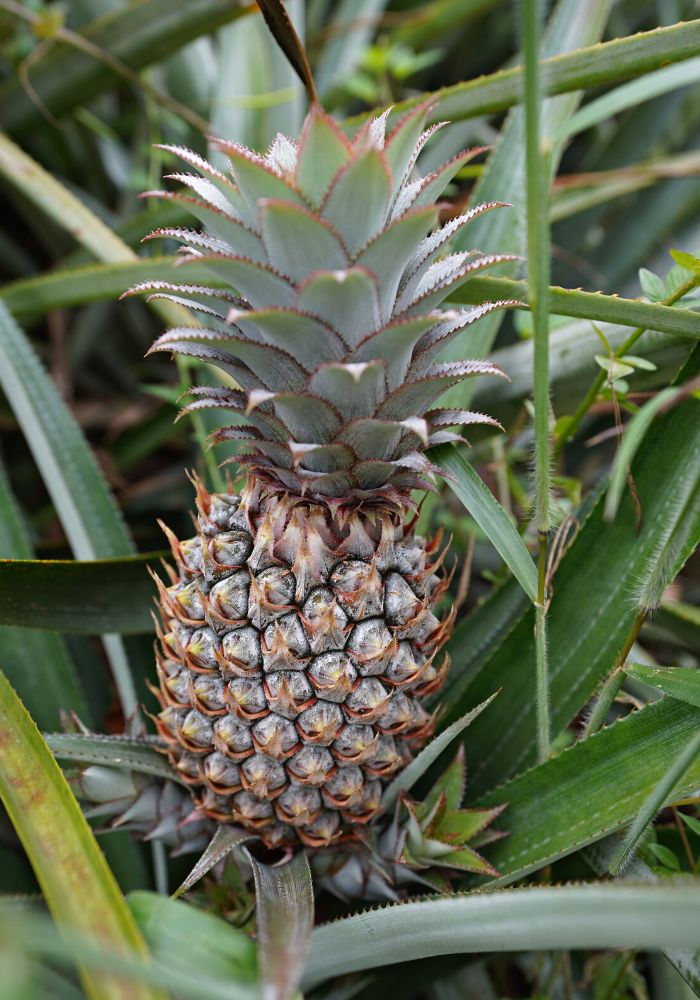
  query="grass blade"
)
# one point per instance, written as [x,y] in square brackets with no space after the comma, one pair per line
[285,916]
[583,916]
[488,514]
[79,888]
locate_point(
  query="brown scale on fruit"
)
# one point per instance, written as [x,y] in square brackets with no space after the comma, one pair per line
[298,642]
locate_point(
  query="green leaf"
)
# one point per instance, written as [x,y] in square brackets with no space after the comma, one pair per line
[220,846]
[682,683]
[592,66]
[652,285]
[593,607]
[656,800]
[185,937]
[488,514]
[691,822]
[686,260]
[78,886]
[615,369]
[429,754]
[52,684]
[140,755]
[285,916]
[322,152]
[532,919]
[634,432]
[33,934]
[139,34]
[594,787]
[70,596]
[630,95]
[89,515]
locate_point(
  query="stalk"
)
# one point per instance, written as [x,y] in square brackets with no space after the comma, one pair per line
[537,191]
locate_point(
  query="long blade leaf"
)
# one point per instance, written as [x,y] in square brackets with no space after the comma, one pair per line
[79,887]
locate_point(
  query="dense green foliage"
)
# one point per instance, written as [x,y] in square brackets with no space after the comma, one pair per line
[573,529]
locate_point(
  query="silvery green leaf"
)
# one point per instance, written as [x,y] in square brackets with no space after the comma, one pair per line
[238,238]
[442,333]
[323,150]
[220,846]
[387,255]
[372,438]
[358,201]
[305,338]
[256,179]
[413,398]
[394,344]
[347,299]
[402,143]
[260,284]
[222,182]
[307,417]
[443,277]
[407,778]
[285,916]
[355,389]
[297,241]
[430,247]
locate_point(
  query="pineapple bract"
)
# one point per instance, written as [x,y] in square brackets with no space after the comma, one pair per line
[300,631]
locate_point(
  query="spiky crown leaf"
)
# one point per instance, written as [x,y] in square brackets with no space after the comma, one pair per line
[329,319]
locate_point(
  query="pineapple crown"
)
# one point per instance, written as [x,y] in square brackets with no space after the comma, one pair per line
[325,309]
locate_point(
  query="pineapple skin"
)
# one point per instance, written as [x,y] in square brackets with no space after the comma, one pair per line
[298,644]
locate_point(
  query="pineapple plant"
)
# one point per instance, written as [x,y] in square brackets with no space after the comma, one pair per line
[303,626]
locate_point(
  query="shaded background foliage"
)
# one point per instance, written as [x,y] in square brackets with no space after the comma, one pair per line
[88,90]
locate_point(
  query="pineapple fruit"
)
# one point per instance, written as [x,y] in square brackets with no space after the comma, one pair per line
[300,630]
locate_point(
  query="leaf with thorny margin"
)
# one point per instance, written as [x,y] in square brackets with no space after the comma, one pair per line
[285,914]
[429,754]
[220,845]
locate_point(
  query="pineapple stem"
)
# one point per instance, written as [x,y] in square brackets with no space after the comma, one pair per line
[538,170]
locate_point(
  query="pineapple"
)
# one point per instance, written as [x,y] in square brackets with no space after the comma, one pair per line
[300,631]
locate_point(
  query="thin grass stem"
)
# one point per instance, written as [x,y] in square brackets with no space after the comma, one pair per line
[538,168]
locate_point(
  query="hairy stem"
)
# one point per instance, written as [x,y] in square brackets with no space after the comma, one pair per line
[537,185]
